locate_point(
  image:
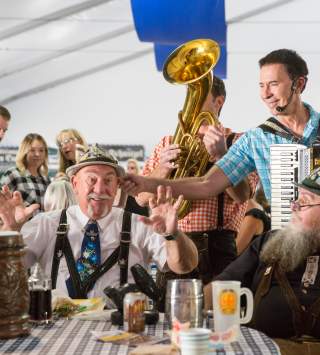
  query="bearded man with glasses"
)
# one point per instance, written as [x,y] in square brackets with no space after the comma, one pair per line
[282,270]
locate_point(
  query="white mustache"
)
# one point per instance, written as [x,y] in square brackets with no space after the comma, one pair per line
[95,196]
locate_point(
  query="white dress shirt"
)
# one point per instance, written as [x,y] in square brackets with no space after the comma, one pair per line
[40,236]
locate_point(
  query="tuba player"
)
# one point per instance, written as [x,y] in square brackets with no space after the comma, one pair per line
[212,224]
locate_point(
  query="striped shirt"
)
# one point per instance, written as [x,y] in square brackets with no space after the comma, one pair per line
[252,152]
[203,215]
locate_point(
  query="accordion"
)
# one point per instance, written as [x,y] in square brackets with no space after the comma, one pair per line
[289,164]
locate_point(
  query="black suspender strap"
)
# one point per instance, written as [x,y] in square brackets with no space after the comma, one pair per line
[220,216]
[101,270]
[58,249]
[272,125]
[220,212]
[298,314]
[125,238]
[63,247]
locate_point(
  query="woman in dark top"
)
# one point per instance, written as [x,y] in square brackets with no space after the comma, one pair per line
[255,222]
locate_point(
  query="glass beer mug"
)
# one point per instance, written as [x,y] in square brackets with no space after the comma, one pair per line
[40,310]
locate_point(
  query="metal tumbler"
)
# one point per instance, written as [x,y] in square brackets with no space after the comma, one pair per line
[184,302]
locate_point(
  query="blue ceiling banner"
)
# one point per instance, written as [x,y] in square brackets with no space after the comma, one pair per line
[162,52]
[177,21]
[169,23]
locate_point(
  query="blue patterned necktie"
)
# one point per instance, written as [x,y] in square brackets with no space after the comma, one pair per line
[90,257]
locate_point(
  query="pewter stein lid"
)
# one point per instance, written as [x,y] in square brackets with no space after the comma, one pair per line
[11,239]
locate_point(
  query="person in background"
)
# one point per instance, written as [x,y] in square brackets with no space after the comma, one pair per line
[5,118]
[66,140]
[211,224]
[282,269]
[256,220]
[133,166]
[59,195]
[95,229]
[30,175]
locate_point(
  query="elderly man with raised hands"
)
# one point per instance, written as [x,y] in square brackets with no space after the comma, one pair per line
[92,245]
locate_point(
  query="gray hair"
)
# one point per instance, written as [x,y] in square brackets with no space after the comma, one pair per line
[59,195]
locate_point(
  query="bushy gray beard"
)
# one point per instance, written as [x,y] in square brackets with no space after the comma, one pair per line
[290,246]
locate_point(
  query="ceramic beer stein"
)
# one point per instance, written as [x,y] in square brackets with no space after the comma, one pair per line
[14,294]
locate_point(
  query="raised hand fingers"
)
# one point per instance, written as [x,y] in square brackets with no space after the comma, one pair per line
[6,192]
[161,194]
[178,202]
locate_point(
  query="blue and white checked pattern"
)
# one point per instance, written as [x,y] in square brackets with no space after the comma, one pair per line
[74,337]
[252,152]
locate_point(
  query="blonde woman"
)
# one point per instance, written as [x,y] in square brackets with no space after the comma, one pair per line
[133,166]
[67,140]
[30,176]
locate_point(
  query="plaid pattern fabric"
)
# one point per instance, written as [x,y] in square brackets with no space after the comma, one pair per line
[32,188]
[252,152]
[74,337]
[203,215]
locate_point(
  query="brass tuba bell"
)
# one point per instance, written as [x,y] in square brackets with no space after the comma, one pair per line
[192,64]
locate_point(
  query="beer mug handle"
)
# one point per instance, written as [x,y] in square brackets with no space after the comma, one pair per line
[249,311]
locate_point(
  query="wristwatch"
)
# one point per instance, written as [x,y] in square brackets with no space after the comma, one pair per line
[171,236]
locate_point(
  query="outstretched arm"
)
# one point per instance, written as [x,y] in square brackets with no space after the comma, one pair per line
[159,165]
[13,213]
[197,188]
[182,255]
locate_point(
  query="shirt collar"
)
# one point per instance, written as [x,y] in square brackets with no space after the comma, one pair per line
[314,116]
[102,222]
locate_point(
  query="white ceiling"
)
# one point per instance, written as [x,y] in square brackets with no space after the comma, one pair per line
[50,78]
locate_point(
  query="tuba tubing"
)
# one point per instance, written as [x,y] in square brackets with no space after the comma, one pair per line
[191,64]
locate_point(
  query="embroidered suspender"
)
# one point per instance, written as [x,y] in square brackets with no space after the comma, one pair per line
[124,247]
[63,247]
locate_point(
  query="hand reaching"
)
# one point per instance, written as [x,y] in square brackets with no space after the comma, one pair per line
[164,213]
[215,142]
[12,211]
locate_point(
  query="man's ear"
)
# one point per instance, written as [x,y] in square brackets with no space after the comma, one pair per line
[300,84]
[220,101]
[74,183]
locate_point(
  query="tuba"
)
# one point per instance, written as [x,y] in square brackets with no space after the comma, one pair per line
[192,64]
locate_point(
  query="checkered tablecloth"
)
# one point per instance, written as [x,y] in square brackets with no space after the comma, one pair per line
[67,337]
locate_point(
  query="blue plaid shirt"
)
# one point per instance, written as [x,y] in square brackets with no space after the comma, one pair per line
[252,152]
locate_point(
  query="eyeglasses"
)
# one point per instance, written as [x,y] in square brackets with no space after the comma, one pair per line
[66,141]
[297,206]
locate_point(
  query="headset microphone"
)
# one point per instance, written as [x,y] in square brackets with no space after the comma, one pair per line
[282,108]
